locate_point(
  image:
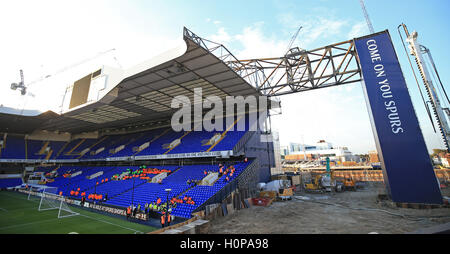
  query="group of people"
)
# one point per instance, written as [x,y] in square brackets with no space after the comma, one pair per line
[142,173]
[77,192]
[185,199]
[166,219]
[228,172]
[98,197]
[132,211]
[188,200]
[157,206]
[92,196]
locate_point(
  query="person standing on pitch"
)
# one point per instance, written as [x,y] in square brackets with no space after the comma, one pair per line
[169,218]
[162,220]
[133,210]
[128,212]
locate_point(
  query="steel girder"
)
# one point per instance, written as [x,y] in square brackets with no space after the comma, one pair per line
[298,71]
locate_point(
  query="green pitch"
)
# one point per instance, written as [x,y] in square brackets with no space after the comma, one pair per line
[21,216]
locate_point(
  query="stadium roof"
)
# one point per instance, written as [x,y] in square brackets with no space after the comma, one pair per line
[146,95]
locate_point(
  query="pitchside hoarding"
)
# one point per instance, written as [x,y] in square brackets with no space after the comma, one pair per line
[405,161]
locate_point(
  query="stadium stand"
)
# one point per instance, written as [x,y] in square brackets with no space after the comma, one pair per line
[140,190]
[107,142]
[14,148]
[10,182]
[105,147]
[121,184]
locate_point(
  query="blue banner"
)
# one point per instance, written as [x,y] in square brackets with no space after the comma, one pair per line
[406,164]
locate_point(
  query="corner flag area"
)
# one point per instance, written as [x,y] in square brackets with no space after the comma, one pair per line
[21,216]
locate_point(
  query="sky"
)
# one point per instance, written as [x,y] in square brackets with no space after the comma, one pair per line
[47,37]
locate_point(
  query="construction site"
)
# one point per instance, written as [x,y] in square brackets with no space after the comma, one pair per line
[349,212]
[141,150]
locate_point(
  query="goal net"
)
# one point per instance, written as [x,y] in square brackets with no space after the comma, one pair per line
[32,196]
[50,200]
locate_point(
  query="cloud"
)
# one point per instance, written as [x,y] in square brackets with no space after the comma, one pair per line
[359,29]
[321,28]
[255,44]
[221,36]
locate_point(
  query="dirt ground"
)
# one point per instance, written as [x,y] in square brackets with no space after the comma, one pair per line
[299,216]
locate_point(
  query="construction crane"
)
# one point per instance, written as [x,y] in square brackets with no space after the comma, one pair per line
[21,85]
[293,39]
[417,50]
[23,88]
[366,15]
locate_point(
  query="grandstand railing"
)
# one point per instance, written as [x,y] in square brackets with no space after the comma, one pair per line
[239,182]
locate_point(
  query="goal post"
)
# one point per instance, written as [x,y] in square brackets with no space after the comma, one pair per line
[50,200]
[32,197]
[34,194]
[65,211]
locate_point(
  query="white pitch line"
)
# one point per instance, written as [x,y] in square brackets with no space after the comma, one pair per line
[3,209]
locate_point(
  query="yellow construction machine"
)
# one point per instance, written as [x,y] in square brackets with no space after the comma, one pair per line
[349,183]
[323,181]
[277,189]
[314,185]
[285,193]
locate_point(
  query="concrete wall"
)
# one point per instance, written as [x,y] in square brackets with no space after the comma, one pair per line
[264,151]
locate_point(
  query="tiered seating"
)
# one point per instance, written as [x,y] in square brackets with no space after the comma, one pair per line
[143,192]
[193,141]
[200,194]
[84,183]
[56,146]
[10,182]
[150,192]
[14,149]
[61,182]
[190,142]
[100,143]
[121,193]
[232,137]
[33,148]
[156,147]
[147,136]
[110,187]
[75,147]
[113,142]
